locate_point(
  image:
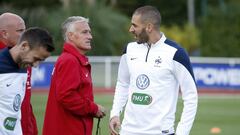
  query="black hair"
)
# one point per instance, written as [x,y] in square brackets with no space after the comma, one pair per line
[38,37]
[149,14]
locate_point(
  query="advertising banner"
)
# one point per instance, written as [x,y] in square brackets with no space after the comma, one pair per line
[217,76]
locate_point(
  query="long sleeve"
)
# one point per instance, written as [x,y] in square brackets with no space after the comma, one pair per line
[185,77]
[71,86]
[121,91]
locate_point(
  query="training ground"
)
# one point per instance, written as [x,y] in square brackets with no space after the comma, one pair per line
[217,109]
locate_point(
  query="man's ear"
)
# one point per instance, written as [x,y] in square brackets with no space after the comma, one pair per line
[70,36]
[149,27]
[3,33]
[24,45]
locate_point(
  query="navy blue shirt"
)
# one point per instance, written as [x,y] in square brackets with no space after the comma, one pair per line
[7,65]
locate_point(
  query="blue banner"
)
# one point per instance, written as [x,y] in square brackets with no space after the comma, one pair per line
[217,76]
[41,76]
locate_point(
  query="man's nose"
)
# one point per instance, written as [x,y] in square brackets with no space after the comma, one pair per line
[90,36]
[131,29]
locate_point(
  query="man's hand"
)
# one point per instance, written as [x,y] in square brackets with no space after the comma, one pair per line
[114,125]
[101,112]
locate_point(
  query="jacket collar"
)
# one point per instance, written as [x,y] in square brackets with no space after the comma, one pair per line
[161,40]
[69,47]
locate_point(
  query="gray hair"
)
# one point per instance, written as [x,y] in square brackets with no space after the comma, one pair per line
[68,24]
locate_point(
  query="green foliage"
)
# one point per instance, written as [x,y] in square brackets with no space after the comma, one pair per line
[187,36]
[31,3]
[220,34]
[110,31]
[172,11]
[109,28]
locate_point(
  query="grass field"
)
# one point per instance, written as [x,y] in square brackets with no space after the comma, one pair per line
[221,111]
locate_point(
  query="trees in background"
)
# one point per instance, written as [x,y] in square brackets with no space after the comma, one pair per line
[187,36]
[30,4]
[109,27]
[220,31]
[173,11]
[216,32]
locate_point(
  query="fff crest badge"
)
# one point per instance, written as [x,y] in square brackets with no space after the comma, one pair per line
[157,62]
[17,103]
[142,81]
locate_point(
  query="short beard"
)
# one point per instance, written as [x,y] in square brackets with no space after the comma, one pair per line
[20,62]
[143,37]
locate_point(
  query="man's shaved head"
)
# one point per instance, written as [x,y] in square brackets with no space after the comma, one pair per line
[11,27]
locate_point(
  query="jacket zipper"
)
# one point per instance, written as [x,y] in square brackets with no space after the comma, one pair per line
[149,47]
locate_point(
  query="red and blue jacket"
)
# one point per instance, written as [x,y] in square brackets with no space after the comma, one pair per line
[28,120]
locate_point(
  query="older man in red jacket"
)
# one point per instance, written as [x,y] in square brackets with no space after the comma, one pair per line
[71,107]
[11,27]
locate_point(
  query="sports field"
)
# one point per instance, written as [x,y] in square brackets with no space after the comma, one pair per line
[221,111]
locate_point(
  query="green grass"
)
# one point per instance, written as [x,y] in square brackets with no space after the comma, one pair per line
[213,111]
